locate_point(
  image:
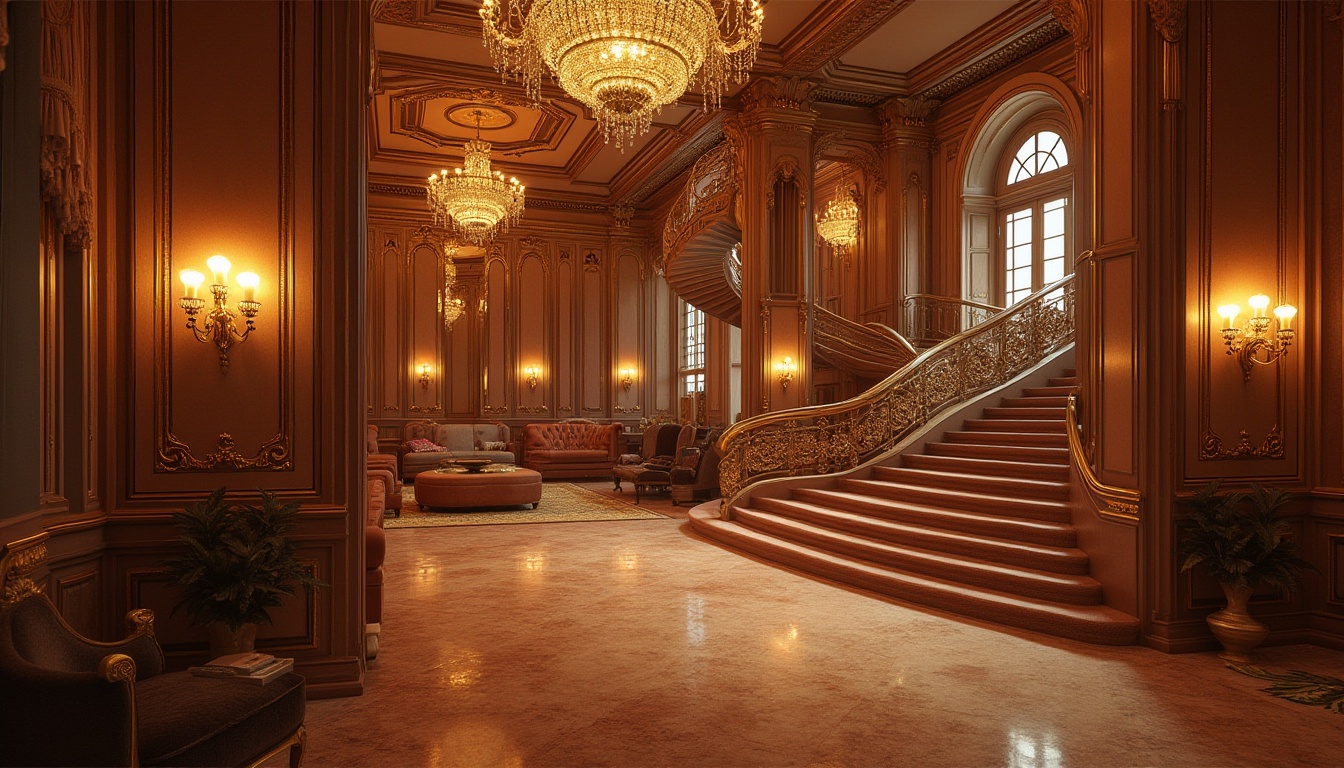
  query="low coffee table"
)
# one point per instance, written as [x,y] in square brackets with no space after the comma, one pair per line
[498,485]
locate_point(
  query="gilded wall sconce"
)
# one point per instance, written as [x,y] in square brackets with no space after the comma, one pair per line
[1252,344]
[627,378]
[785,369]
[533,375]
[424,376]
[219,324]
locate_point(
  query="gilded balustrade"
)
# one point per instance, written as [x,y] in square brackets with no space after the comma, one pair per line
[1113,502]
[708,196]
[929,318]
[826,439]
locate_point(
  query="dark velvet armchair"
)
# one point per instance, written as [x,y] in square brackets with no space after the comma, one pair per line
[696,476]
[70,701]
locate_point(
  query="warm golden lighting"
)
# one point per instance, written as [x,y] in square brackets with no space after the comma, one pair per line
[627,378]
[219,326]
[1251,344]
[785,369]
[424,375]
[452,298]
[625,59]
[533,374]
[477,201]
[839,224]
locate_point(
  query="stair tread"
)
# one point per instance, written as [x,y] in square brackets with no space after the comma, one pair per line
[1090,623]
[1026,483]
[1074,589]
[1040,453]
[985,467]
[928,510]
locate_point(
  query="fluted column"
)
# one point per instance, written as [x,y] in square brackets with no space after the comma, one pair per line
[908,148]
[773,138]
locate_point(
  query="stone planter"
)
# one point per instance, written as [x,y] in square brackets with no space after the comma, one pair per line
[224,641]
[1235,628]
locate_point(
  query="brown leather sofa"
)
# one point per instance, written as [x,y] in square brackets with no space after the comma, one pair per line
[380,481]
[576,448]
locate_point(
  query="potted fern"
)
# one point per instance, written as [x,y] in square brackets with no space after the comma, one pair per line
[1244,546]
[238,562]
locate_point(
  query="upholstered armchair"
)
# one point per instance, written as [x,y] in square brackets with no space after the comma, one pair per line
[696,475]
[661,444]
[71,701]
[388,462]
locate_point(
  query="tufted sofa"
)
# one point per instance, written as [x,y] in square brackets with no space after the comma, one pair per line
[459,441]
[571,448]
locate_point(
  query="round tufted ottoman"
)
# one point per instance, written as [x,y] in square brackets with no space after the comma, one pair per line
[454,489]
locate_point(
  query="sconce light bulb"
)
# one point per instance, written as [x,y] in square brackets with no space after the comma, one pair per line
[249,281]
[191,281]
[1285,313]
[1229,314]
[424,368]
[1259,303]
[220,266]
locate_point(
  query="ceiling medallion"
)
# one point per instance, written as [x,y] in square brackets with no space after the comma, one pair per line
[839,224]
[492,118]
[625,59]
[476,200]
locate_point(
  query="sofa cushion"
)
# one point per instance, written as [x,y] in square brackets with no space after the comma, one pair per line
[494,445]
[455,437]
[190,720]
[490,433]
[568,456]
[423,445]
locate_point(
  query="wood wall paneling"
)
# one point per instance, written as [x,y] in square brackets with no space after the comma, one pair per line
[426,323]
[1117,390]
[532,310]
[566,372]
[630,331]
[593,324]
[387,322]
[496,367]
[1118,128]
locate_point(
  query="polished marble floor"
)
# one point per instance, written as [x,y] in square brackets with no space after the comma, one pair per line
[636,644]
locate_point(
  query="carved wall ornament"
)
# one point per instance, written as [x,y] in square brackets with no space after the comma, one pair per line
[175,455]
[855,152]
[1211,446]
[533,243]
[1030,42]
[950,149]
[1168,18]
[18,560]
[64,116]
[786,169]
[846,28]
[394,12]
[790,93]
[564,255]
[912,111]
[621,215]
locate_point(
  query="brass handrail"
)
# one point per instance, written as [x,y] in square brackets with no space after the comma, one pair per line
[826,439]
[1120,503]
[932,318]
[867,348]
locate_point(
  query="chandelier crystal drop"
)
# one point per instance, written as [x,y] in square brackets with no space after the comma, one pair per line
[839,224]
[625,59]
[477,201]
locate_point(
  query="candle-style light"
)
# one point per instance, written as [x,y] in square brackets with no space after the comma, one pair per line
[219,326]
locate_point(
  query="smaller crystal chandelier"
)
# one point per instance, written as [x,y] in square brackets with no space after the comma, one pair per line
[475,199]
[839,224]
[625,59]
[452,301]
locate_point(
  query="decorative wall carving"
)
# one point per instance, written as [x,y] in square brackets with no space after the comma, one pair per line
[1027,44]
[1169,18]
[789,93]
[1211,446]
[850,23]
[175,455]
[912,111]
[64,115]
[621,215]
[858,153]
[18,560]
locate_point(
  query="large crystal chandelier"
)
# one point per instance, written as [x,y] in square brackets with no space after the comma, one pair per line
[452,302]
[475,199]
[839,224]
[625,59]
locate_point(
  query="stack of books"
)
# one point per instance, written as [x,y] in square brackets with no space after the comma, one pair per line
[255,668]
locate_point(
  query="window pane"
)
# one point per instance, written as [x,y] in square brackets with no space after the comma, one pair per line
[1053,270]
[1054,248]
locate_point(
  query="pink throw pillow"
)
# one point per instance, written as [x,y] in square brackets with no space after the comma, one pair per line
[421,445]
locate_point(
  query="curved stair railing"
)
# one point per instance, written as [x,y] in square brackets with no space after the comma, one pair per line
[930,319]
[827,439]
[868,349]
[708,196]
[1112,502]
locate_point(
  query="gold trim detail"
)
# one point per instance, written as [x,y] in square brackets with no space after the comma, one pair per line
[18,560]
[1211,446]
[827,439]
[296,743]
[176,456]
[1120,503]
[117,668]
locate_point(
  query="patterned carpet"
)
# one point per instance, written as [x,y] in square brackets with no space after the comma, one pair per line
[560,503]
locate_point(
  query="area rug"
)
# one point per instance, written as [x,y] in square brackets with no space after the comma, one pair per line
[1301,687]
[560,503]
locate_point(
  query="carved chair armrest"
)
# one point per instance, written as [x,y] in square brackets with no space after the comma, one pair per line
[103,709]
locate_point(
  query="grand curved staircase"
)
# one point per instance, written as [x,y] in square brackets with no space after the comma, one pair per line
[977,523]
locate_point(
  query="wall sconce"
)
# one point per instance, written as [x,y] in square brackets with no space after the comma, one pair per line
[785,369]
[1252,345]
[219,326]
[533,375]
[424,376]
[627,378]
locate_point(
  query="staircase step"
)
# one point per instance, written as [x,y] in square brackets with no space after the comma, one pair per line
[968,500]
[1024,413]
[1015,488]
[1041,439]
[1024,453]
[1034,402]
[1062,381]
[1065,588]
[1091,623]
[1047,391]
[1031,531]
[1069,560]
[972,466]
[1013,425]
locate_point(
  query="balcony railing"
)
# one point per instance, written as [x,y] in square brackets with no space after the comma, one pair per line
[707,196]
[930,319]
[869,349]
[826,439]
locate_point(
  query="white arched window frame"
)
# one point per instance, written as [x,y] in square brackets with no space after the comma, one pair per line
[1034,202]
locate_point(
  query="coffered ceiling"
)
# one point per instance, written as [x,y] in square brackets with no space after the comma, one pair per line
[432,75]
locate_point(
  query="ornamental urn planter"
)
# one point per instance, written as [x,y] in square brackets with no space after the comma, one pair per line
[225,641]
[1234,626]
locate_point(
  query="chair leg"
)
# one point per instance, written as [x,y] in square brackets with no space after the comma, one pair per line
[296,751]
[618,484]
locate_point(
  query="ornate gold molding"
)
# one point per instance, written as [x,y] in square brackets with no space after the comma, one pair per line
[495,409]
[18,560]
[844,25]
[175,455]
[435,408]
[768,93]
[1211,446]
[1025,45]
[853,151]
[1169,18]
[1120,503]
[65,130]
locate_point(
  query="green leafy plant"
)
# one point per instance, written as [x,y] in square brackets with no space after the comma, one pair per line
[239,560]
[1243,544]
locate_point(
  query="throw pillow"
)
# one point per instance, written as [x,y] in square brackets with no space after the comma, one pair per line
[422,444]
[494,445]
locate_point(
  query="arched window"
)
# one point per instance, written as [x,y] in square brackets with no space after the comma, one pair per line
[1035,212]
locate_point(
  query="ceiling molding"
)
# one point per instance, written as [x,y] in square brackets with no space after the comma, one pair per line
[678,162]
[399,188]
[1007,55]
[833,29]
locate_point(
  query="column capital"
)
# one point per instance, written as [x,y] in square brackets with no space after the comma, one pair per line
[778,99]
[900,113]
